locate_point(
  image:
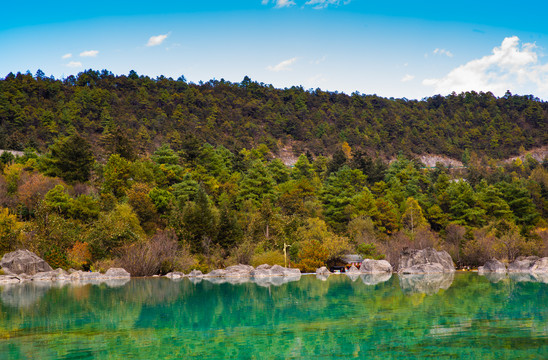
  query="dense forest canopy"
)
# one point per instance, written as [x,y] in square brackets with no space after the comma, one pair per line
[158,174]
[35,110]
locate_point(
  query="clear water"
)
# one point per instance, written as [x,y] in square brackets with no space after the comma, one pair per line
[464,316]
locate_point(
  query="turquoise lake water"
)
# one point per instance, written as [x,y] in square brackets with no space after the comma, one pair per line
[460,316]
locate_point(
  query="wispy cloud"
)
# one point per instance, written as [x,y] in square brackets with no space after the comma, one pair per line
[407,78]
[89,53]
[279,3]
[442,52]
[322,4]
[509,67]
[66,56]
[74,64]
[319,61]
[283,66]
[157,40]
[316,80]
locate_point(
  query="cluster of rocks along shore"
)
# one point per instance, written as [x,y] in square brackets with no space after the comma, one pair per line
[241,271]
[24,265]
[523,269]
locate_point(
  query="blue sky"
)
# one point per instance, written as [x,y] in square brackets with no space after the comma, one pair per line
[393,48]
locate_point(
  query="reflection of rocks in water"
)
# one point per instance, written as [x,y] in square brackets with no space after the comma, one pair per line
[493,277]
[23,295]
[353,276]
[426,283]
[226,280]
[261,281]
[114,283]
[275,280]
[195,280]
[529,277]
[322,277]
[374,279]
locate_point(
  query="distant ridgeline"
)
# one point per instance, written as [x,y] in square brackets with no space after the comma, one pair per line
[141,113]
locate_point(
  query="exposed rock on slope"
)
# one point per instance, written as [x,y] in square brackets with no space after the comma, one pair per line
[23,262]
[425,261]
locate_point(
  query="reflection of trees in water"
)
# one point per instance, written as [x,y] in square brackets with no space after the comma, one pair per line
[160,318]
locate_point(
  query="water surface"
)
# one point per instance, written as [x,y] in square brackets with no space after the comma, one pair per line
[441,316]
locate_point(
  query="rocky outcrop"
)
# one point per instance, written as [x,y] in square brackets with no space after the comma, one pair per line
[117,273]
[275,270]
[196,274]
[323,271]
[427,268]
[529,264]
[540,266]
[428,284]
[353,270]
[239,270]
[23,262]
[494,266]
[216,273]
[425,261]
[370,266]
[54,275]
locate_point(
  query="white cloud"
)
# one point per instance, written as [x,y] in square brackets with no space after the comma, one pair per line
[74,64]
[407,78]
[283,66]
[89,53]
[322,4]
[279,3]
[508,67]
[442,52]
[66,56]
[157,40]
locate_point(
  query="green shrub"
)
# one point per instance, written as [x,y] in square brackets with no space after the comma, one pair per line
[271,257]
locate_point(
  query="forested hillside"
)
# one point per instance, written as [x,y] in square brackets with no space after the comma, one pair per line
[103,107]
[157,175]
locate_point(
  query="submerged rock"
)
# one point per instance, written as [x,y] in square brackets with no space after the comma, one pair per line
[175,275]
[322,277]
[268,281]
[24,294]
[494,277]
[428,284]
[23,262]
[9,279]
[375,279]
[493,265]
[370,266]
[425,261]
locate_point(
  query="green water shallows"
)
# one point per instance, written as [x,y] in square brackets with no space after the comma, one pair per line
[462,316]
